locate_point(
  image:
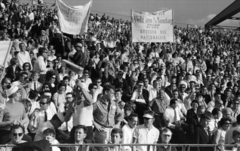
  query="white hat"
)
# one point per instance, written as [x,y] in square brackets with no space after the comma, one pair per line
[183,83]
[147,115]
[13,89]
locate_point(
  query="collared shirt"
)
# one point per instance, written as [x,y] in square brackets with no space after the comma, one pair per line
[40,65]
[105,113]
[35,85]
[138,97]
[24,57]
[173,115]
[154,94]
[145,135]
[228,136]
[127,136]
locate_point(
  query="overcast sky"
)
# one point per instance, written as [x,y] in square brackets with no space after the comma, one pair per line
[196,12]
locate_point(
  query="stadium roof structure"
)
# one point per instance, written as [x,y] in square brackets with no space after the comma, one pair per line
[227,13]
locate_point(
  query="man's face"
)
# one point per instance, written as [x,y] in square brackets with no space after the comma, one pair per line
[79,135]
[166,138]
[35,77]
[182,88]
[148,122]
[133,122]
[140,86]
[156,84]
[175,94]
[116,138]
[69,98]
[23,77]
[44,104]
[110,94]
[22,47]
[16,136]
[118,95]
[49,137]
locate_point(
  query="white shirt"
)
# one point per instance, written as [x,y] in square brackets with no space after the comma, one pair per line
[51,58]
[36,84]
[170,114]
[23,58]
[145,136]
[83,115]
[138,97]
[127,136]
[69,89]
[153,95]
[40,65]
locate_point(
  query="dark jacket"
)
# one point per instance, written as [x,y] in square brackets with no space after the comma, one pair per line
[13,75]
[42,145]
[73,148]
[203,138]
[81,58]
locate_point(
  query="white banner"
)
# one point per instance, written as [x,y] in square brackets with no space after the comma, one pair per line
[5,47]
[152,27]
[72,19]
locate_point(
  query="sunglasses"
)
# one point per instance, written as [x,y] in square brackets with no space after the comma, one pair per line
[42,103]
[99,82]
[53,77]
[228,123]
[94,87]
[17,134]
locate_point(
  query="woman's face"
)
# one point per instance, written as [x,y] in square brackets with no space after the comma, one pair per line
[46,88]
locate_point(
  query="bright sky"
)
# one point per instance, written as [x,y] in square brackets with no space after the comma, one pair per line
[197,12]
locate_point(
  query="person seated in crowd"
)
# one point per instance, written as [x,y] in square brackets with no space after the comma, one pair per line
[77,137]
[116,138]
[146,133]
[49,135]
[128,130]
[166,136]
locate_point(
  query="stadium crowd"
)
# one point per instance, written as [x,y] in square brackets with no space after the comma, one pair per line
[186,92]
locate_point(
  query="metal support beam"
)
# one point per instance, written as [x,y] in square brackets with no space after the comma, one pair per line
[228,12]
[235,18]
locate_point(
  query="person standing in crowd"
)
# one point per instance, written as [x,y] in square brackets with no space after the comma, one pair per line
[146,133]
[35,84]
[203,134]
[140,97]
[83,109]
[107,115]
[40,65]
[81,56]
[229,133]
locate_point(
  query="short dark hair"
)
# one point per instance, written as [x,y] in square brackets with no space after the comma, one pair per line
[49,131]
[66,78]
[173,101]
[14,127]
[85,130]
[41,50]
[33,94]
[131,116]
[107,88]
[117,131]
[61,84]
[215,111]
[23,73]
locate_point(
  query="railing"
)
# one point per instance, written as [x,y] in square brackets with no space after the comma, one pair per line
[185,147]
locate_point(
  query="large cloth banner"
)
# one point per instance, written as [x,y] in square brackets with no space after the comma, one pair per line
[5,47]
[72,19]
[152,27]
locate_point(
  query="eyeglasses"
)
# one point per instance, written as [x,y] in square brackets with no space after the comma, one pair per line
[236,102]
[17,134]
[53,77]
[228,123]
[99,82]
[94,87]
[42,103]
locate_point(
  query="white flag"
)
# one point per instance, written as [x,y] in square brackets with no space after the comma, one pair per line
[73,19]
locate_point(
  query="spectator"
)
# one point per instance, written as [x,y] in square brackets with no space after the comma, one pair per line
[128,130]
[166,136]
[23,56]
[143,136]
[219,136]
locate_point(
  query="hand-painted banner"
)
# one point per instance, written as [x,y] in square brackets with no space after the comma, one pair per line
[72,19]
[152,27]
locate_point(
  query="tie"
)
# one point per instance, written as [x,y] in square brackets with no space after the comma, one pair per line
[35,85]
[45,116]
[175,116]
